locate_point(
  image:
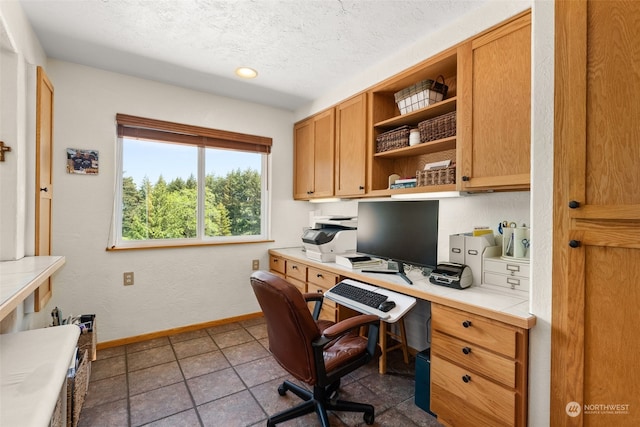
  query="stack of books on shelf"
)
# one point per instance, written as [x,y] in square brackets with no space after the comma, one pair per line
[355,260]
[404,183]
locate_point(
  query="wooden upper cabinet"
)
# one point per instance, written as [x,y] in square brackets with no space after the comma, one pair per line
[314,144]
[494,108]
[351,146]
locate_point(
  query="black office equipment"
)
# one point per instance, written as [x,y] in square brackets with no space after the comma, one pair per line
[423,380]
[452,275]
[400,231]
[363,296]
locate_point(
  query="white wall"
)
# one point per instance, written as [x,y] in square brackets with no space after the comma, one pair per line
[20,53]
[173,287]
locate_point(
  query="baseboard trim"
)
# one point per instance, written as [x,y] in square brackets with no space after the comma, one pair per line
[173,331]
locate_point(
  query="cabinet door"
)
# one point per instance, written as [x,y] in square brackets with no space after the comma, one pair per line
[324,139]
[303,170]
[494,108]
[44,174]
[313,153]
[595,349]
[351,146]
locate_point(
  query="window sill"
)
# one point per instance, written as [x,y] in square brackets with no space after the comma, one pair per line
[182,245]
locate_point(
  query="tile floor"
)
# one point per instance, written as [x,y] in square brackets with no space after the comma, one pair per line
[225,376]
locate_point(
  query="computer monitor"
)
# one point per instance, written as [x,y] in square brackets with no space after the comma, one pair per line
[404,232]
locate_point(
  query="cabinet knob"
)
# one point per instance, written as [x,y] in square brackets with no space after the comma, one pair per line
[361,187]
[309,192]
[573,204]
[466,350]
[466,323]
[466,178]
[574,243]
[466,378]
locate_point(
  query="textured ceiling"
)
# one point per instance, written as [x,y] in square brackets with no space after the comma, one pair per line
[301,48]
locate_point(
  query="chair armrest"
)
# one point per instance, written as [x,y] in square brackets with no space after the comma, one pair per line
[318,298]
[313,296]
[348,324]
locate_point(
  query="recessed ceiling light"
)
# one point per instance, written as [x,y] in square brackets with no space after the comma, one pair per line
[246,72]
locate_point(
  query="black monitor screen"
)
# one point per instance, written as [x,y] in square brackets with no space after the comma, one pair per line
[404,231]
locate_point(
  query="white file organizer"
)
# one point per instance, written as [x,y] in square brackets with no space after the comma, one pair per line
[468,249]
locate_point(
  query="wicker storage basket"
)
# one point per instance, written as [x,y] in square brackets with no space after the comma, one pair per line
[439,127]
[77,389]
[420,95]
[88,340]
[439,176]
[390,140]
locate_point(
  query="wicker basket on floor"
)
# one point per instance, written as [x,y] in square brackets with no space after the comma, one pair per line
[439,127]
[393,139]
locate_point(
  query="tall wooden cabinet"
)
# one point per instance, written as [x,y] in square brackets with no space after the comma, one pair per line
[313,152]
[494,108]
[44,174]
[595,348]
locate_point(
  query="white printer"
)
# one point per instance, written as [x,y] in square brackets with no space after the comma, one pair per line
[330,236]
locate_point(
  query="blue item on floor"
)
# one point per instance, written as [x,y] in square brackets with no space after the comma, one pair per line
[423,380]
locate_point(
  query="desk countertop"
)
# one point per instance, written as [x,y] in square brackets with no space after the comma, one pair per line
[497,305]
[18,279]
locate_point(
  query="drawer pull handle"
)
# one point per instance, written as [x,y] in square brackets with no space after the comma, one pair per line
[513,268]
[466,350]
[318,275]
[466,323]
[472,252]
[294,267]
[466,378]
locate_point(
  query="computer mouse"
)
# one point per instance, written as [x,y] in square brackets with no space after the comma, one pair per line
[386,306]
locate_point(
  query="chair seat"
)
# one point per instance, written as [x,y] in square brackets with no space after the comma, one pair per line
[344,350]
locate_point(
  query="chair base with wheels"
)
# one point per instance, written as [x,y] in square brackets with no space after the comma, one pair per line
[320,400]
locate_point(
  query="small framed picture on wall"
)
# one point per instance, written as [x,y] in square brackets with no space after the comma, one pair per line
[82,161]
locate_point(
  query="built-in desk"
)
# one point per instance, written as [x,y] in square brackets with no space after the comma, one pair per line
[20,278]
[479,346]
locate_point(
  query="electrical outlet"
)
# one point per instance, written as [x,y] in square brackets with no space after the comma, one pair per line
[255,264]
[128,278]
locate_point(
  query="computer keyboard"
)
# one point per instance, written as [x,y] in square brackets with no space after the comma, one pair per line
[363,296]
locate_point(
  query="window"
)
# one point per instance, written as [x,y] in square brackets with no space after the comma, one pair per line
[185,185]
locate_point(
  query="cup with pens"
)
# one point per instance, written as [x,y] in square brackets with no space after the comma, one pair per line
[516,241]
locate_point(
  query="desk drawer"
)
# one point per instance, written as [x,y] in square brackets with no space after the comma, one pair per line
[312,288]
[478,392]
[278,264]
[475,358]
[297,270]
[321,278]
[329,310]
[475,329]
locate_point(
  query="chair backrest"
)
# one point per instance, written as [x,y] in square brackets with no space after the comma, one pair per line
[290,325]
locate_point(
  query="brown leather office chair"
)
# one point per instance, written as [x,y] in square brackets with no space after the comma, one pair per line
[318,353]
